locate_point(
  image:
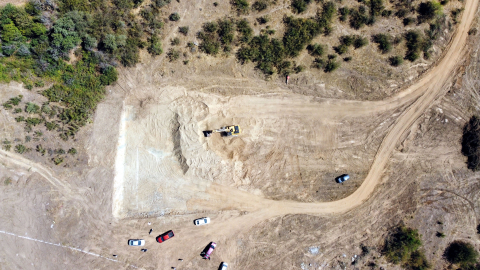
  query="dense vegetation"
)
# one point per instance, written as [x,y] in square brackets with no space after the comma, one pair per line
[471,143]
[38,41]
[402,247]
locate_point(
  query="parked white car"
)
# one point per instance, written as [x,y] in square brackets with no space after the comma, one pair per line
[201,221]
[136,242]
[223,266]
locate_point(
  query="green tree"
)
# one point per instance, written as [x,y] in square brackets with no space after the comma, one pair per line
[110,43]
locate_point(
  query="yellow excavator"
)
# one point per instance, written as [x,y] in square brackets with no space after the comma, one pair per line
[226,131]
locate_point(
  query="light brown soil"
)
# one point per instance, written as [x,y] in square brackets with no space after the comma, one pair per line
[147,161]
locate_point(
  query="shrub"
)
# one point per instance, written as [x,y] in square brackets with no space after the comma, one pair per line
[440,235]
[395,60]
[19,148]
[455,13]
[243,27]
[17,110]
[384,42]
[459,252]
[299,6]
[407,21]
[417,261]
[33,121]
[315,49]
[341,49]
[471,143]
[347,40]
[428,10]
[175,41]
[183,30]
[344,11]
[72,151]
[360,42]
[40,149]
[155,47]
[57,160]
[174,17]
[414,42]
[318,63]
[109,75]
[347,59]
[299,32]
[267,53]
[51,125]
[241,6]
[32,108]
[20,119]
[400,245]
[173,55]
[358,19]
[331,65]
[260,5]
[376,7]
[263,20]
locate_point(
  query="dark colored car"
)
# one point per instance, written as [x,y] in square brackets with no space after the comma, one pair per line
[208,250]
[165,236]
[342,178]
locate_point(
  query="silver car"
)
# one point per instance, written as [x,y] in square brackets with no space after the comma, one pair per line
[223,266]
[136,242]
[201,221]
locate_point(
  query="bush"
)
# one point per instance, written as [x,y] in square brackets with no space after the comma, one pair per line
[299,32]
[358,19]
[19,148]
[267,53]
[331,65]
[32,108]
[299,6]
[243,27]
[183,30]
[155,47]
[360,42]
[341,49]
[395,60]
[459,252]
[407,21]
[344,11]
[315,49]
[415,44]
[72,151]
[174,17]
[428,10]
[263,20]
[384,42]
[471,143]
[401,244]
[260,5]
[241,6]
[173,55]
[175,41]
[57,160]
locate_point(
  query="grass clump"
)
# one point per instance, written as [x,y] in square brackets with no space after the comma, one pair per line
[20,148]
[32,108]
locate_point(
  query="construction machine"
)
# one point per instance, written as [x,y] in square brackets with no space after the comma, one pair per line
[226,131]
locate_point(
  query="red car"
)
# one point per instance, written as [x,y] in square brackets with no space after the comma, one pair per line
[165,236]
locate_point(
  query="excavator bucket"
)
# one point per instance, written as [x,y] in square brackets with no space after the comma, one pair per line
[207,133]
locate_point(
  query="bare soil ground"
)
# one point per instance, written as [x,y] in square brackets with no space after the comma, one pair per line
[270,192]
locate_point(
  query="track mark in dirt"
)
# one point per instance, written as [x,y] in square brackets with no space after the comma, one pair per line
[62,246]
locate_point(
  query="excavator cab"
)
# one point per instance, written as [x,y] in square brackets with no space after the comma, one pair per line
[224,131]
